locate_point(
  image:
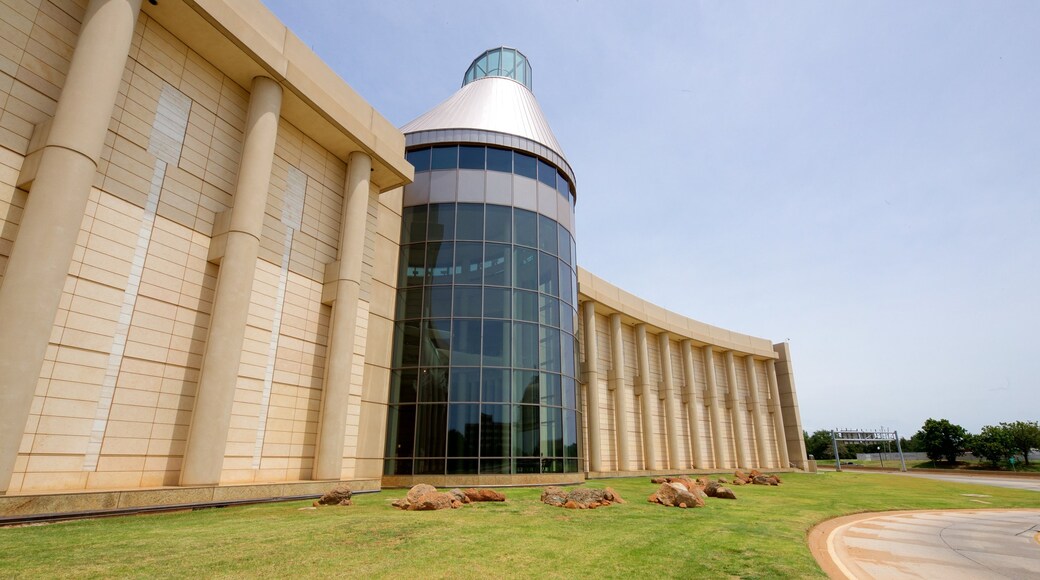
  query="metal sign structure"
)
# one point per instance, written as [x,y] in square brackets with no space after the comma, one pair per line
[866,436]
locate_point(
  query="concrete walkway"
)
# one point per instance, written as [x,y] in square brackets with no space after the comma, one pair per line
[949,545]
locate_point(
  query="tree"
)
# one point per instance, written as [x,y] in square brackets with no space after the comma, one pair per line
[819,444]
[1025,436]
[993,443]
[942,439]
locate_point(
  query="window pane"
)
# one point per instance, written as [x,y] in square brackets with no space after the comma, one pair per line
[565,246]
[525,268]
[463,431]
[525,165]
[439,262]
[411,271]
[436,342]
[547,174]
[445,157]
[547,236]
[568,361]
[495,385]
[467,302]
[431,430]
[494,465]
[465,342]
[525,305]
[548,274]
[441,221]
[526,387]
[526,430]
[570,400]
[438,302]
[509,62]
[565,282]
[499,160]
[494,431]
[497,264]
[404,386]
[551,389]
[561,184]
[498,225]
[570,433]
[548,310]
[497,302]
[465,384]
[471,157]
[497,335]
[433,385]
[493,60]
[526,228]
[406,344]
[413,224]
[552,432]
[567,318]
[465,466]
[549,349]
[525,345]
[400,430]
[469,258]
[409,303]
[420,159]
[470,222]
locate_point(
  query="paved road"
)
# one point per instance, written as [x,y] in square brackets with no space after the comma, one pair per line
[951,545]
[1030,483]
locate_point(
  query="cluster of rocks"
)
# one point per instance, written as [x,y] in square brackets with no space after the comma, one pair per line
[336,496]
[580,498]
[425,497]
[756,477]
[681,492]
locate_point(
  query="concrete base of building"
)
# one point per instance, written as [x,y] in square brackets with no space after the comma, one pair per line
[485,480]
[100,502]
[678,473]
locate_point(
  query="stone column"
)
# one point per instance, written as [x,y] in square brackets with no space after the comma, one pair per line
[218,378]
[664,346]
[53,214]
[764,457]
[592,385]
[776,414]
[789,405]
[733,401]
[645,401]
[714,410]
[617,384]
[339,360]
[693,408]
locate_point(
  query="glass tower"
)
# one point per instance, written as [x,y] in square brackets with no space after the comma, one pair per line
[484,367]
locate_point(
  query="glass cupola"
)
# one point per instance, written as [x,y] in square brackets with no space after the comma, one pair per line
[500,62]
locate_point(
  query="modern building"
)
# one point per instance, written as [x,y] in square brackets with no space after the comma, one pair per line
[224,276]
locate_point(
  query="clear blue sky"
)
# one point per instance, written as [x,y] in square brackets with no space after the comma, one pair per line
[859,178]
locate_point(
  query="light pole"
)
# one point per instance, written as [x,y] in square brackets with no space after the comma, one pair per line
[881,456]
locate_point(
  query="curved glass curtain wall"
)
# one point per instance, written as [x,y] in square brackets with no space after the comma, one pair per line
[500,62]
[484,362]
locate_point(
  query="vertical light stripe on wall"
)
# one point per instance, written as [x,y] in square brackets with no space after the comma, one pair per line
[292,218]
[165,142]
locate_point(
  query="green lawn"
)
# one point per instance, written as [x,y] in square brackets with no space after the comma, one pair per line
[1033,467]
[761,535]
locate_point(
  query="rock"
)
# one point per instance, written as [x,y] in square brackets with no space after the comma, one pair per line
[738,482]
[711,489]
[459,495]
[754,473]
[401,503]
[418,491]
[339,495]
[658,480]
[740,475]
[554,496]
[434,501]
[673,494]
[722,480]
[570,504]
[724,493]
[686,482]
[761,480]
[612,495]
[483,495]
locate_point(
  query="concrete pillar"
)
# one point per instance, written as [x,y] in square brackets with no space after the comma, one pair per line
[335,402]
[718,443]
[207,436]
[50,224]
[617,384]
[646,401]
[776,415]
[733,401]
[765,458]
[789,405]
[664,347]
[693,407]
[595,450]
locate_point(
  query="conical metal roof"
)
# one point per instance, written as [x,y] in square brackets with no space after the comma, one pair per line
[490,104]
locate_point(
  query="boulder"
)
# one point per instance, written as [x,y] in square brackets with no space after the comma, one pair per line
[435,500]
[738,482]
[339,495]
[740,475]
[658,480]
[483,495]
[580,497]
[418,491]
[686,482]
[554,496]
[722,480]
[674,494]
[459,495]
[612,495]
[754,473]
[711,489]
[724,493]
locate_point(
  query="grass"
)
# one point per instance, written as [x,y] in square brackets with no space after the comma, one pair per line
[761,535]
